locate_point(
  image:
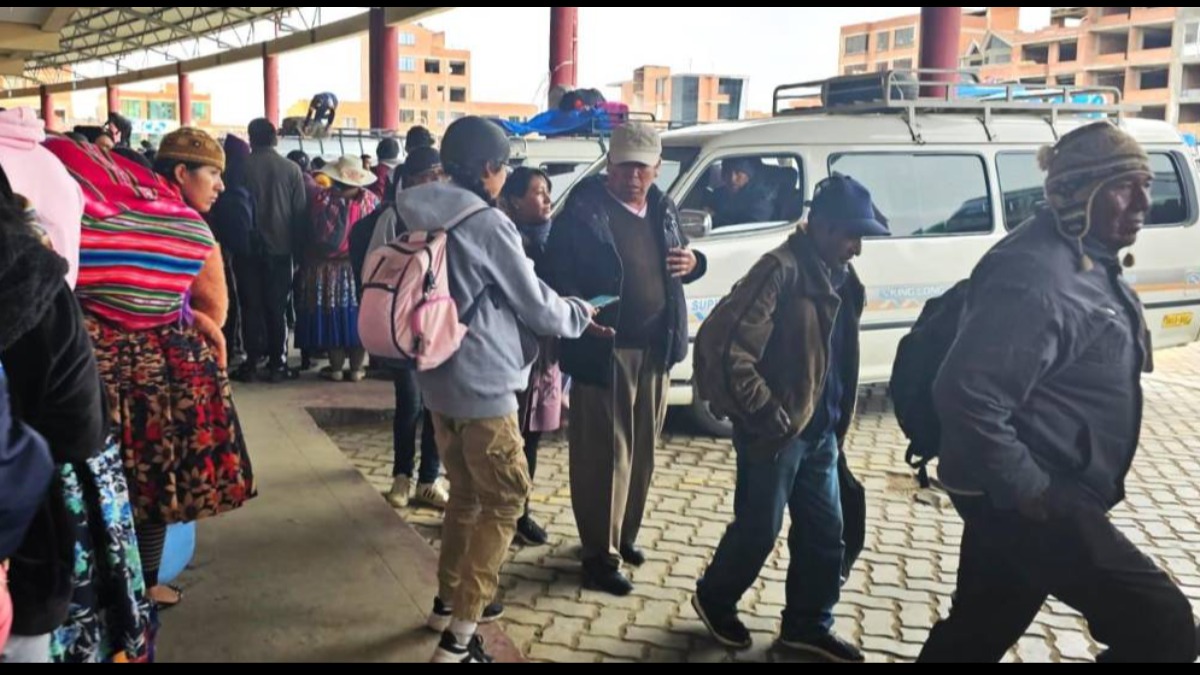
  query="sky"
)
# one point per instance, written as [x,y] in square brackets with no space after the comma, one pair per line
[510,51]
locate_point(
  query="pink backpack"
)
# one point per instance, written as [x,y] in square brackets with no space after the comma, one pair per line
[407,313]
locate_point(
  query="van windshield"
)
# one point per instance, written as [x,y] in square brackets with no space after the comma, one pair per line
[677,161]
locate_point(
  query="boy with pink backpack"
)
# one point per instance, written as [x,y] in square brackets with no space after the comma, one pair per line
[458,300]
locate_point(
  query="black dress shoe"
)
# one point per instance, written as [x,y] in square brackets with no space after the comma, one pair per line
[606,579]
[633,555]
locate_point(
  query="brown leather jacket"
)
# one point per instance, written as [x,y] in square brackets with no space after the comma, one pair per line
[767,344]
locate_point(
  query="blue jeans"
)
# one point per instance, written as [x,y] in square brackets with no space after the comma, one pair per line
[409,412]
[803,477]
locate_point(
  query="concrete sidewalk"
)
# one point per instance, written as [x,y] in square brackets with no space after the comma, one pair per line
[319,568]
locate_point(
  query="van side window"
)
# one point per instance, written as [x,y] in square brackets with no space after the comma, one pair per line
[1169,202]
[750,189]
[924,195]
[1023,185]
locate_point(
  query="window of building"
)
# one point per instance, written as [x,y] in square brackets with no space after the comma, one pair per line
[408,39]
[924,195]
[433,67]
[162,110]
[408,64]
[906,37]
[458,68]
[1191,39]
[407,92]
[883,41]
[199,111]
[1068,52]
[408,116]
[458,95]
[131,109]
[1157,38]
[424,92]
[1154,79]
[856,44]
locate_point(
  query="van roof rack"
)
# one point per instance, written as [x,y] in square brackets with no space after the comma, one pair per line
[910,92]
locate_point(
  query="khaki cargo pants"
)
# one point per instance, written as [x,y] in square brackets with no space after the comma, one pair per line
[489,484]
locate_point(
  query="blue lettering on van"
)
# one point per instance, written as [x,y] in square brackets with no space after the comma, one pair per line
[700,308]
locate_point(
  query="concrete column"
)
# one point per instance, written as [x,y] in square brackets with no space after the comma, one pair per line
[48,109]
[384,48]
[941,31]
[114,98]
[564,46]
[185,100]
[271,88]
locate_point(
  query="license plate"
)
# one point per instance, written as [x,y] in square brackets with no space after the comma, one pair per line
[1180,320]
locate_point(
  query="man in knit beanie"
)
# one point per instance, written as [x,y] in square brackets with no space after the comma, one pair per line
[1080,167]
[1041,407]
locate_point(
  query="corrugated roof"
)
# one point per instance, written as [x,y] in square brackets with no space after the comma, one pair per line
[41,45]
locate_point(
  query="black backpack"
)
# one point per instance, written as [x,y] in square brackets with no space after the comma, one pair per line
[919,359]
[581,99]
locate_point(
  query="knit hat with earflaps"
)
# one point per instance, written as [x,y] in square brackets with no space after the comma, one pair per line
[1082,164]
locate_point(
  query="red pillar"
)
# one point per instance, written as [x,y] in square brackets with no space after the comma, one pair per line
[48,109]
[114,99]
[185,100]
[271,88]
[384,49]
[564,46]
[941,31]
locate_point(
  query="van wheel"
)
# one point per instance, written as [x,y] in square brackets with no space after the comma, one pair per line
[707,422]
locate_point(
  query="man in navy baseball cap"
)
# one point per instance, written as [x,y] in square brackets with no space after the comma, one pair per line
[781,358]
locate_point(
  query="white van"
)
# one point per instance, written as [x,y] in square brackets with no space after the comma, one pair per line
[952,177]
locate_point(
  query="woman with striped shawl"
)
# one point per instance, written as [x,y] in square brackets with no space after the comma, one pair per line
[153,291]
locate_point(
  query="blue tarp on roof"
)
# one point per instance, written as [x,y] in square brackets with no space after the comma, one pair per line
[558,123]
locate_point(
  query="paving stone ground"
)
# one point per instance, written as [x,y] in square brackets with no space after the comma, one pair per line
[901,585]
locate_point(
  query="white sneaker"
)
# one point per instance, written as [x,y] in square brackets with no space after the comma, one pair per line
[432,495]
[401,490]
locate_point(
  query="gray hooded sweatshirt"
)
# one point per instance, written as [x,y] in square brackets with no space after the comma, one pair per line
[503,302]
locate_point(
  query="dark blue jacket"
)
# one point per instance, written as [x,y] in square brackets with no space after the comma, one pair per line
[583,262]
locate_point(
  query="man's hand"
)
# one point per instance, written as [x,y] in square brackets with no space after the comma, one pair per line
[681,262]
[603,332]
[775,421]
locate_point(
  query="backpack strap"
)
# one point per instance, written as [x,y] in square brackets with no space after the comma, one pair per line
[468,317]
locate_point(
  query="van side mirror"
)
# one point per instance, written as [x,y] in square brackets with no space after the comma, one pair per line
[696,223]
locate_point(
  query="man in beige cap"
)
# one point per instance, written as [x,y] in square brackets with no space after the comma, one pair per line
[1040,401]
[619,237]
